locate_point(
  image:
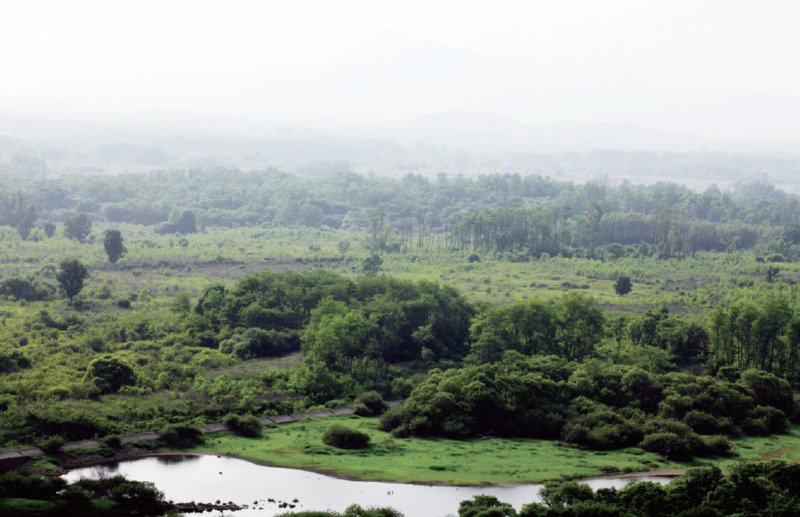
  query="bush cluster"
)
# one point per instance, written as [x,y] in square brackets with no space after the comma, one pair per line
[246,425]
[759,489]
[370,403]
[343,437]
[181,436]
[594,405]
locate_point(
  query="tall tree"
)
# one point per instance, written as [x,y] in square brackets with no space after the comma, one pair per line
[623,285]
[112,242]
[77,226]
[71,275]
[49,229]
[26,222]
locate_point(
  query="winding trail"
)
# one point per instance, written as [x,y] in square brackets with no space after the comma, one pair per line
[14,458]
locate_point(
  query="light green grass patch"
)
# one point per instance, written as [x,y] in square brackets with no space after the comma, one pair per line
[468,462]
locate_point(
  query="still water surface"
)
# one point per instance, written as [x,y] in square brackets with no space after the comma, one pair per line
[206,479]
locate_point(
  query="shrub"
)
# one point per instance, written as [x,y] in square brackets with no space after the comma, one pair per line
[601,429]
[623,285]
[181,435]
[113,441]
[256,342]
[33,486]
[485,506]
[644,498]
[70,424]
[716,446]
[52,445]
[703,423]
[134,496]
[247,425]
[769,390]
[669,445]
[773,420]
[755,427]
[391,419]
[109,374]
[729,373]
[370,403]
[24,289]
[473,257]
[555,493]
[345,438]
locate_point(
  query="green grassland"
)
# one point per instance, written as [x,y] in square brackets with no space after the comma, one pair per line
[162,265]
[469,462]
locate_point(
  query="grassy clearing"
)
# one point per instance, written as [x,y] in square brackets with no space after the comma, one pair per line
[254,367]
[17,504]
[493,460]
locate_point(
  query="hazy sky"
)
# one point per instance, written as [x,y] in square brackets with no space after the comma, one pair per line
[51,52]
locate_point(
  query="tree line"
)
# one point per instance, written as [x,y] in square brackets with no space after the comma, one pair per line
[521,216]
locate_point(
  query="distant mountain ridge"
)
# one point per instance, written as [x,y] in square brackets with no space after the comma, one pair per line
[492,129]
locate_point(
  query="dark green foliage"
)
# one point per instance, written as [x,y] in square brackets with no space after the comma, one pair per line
[256,342]
[703,423]
[182,222]
[593,404]
[345,438]
[485,506]
[52,445]
[372,264]
[623,285]
[686,340]
[755,488]
[370,403]
[110,374]
[246,425]
[31,486]
[601,429]
[761,334]
[716,446]
[351,511]
[181,436]
[352,327]
[71,275]
[138,496]
[767,420]
[760,489]
[114,441]
[49,229]
[18,211]
[77,226]
[473,257]
[11,362]
[112,243]
[28,289]
[567,493]
[73,425]
[570,328]
[769,390]
[670,445]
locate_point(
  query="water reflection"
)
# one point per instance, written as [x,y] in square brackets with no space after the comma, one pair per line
[185,478]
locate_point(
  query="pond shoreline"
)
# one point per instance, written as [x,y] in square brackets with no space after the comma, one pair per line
[257,488]
[140,454]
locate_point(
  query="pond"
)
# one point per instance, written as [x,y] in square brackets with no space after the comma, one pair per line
[206,479]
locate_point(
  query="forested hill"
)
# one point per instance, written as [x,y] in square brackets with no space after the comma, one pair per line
[519,217]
